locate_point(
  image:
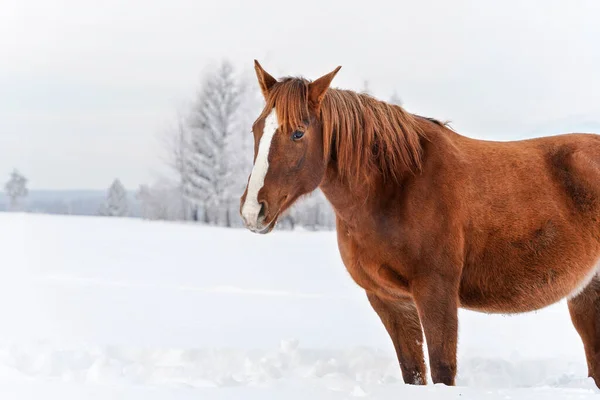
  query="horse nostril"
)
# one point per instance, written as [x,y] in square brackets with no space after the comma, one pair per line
[263,210]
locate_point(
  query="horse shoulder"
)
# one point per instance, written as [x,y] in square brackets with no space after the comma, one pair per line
[367,266]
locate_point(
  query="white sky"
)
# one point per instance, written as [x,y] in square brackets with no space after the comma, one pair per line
[87,86]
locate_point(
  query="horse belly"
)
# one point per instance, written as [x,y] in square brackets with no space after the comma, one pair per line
[532,290]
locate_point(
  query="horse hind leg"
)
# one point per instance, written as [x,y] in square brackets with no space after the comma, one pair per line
[585,314]
[402,323]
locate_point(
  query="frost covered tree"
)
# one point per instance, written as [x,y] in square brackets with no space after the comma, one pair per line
[116,203]
[395,99]
[160,201]
[210,152]
[16,190]
[366,89]
[218,146]
[144,196]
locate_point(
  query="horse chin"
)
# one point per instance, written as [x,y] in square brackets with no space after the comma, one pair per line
[268,228]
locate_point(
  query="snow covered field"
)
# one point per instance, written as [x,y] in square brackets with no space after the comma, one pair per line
[99,308]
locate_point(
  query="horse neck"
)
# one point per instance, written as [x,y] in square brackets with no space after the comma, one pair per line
[350,201]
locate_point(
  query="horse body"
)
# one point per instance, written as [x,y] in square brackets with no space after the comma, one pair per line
[428,220]
[504,216]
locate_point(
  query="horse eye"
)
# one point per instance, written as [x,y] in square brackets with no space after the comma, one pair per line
[297,135]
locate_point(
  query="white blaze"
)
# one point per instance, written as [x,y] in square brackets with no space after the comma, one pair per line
[251,207]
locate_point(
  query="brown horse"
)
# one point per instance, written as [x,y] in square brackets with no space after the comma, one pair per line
[429,220]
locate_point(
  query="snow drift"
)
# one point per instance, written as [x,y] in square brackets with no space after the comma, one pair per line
[109,308]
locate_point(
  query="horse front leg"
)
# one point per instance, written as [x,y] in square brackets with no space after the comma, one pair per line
[436,298]
[401,320]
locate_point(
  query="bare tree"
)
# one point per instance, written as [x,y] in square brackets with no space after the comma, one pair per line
[176,142]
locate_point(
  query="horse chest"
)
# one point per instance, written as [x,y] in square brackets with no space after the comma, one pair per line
[368,268]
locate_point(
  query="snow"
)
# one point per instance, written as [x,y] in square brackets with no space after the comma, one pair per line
[116,308]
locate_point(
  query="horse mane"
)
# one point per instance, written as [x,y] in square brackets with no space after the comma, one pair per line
[363,134]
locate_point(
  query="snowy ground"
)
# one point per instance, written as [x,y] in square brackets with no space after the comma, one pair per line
[94,308]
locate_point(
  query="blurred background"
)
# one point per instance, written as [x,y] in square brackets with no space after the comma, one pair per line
[144,108]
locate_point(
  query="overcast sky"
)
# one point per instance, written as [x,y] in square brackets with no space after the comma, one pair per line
[87,86]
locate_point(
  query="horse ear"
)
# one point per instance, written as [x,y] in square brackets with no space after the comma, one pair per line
[265,80]
[318,88]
